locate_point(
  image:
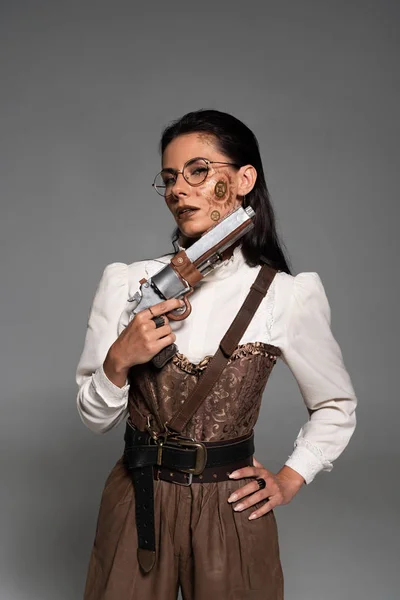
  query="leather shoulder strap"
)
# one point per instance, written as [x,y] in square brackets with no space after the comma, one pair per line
[226,347]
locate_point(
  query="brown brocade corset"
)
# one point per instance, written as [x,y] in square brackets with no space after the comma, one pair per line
[230,410]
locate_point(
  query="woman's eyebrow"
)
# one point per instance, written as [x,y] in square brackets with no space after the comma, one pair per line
[174,171]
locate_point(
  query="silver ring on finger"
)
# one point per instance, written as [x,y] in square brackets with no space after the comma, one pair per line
[159,321]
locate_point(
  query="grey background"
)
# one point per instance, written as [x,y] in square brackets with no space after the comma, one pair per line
[86,88]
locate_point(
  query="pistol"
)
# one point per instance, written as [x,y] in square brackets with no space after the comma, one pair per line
[187,267]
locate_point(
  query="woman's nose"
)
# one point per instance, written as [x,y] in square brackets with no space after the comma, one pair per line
[180,186]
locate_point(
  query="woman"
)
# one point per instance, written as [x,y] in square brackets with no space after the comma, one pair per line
[211,536]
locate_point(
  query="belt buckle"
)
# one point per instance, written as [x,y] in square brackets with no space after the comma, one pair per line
[188,482]
[201,453]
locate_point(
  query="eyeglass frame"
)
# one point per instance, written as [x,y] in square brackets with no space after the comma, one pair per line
[177,171]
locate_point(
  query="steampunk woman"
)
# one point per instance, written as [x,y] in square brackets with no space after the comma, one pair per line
[210,531]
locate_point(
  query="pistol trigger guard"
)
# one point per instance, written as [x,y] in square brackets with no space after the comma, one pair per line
[186,313]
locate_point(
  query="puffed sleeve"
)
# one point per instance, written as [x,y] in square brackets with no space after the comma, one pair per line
[101,404]
[315,359]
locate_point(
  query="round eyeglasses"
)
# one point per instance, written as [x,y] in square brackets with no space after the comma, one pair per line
[194,171]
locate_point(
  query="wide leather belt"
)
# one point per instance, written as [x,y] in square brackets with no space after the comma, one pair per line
[181,460]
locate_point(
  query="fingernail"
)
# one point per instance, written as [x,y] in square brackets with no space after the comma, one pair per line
[238,507]
[182,303]
[232,498]
[252,516]
[233,475]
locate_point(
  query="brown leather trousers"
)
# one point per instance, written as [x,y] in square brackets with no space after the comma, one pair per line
[204,547]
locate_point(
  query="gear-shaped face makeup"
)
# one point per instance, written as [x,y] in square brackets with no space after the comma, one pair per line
[211,200]
[220,189]
[215,215]
[219,193]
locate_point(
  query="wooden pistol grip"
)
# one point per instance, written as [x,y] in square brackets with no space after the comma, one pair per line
[165,355]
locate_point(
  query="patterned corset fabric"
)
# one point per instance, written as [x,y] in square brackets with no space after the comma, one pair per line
[230,410]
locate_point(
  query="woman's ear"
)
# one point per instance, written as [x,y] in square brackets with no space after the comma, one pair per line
[247,176]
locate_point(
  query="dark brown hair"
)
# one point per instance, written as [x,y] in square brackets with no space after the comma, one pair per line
[234,139]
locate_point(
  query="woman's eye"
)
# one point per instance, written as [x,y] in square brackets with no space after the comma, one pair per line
[199,171]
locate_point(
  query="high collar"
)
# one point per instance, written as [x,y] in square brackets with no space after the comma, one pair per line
[226,268]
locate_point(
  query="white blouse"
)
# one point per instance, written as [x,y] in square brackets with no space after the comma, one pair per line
[294,315]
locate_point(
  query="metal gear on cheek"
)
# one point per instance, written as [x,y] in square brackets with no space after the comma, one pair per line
[220,189]
[215,215]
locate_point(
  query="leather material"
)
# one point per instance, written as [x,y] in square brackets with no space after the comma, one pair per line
[140,458]
[227,345]
[184,267]
[142,480]
[229,411]
[209,475]
[141,451]
[203,546]
[146,558]
[211,251]
[142,472]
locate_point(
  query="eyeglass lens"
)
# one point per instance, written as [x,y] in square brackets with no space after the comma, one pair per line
[194,172]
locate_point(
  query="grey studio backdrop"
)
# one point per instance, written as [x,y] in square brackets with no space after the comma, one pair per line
[86,88]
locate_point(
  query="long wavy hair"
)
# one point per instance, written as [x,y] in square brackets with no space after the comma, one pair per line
[239,144]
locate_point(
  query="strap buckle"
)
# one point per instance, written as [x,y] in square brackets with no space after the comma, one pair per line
[186,483]
[168,437]
[201,452]
[190,443]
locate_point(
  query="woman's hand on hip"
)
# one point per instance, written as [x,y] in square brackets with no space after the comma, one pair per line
[280,488]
